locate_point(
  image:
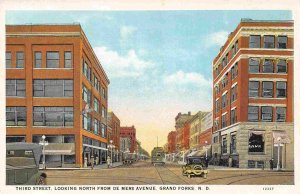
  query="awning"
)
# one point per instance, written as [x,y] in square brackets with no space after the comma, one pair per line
[281,137]
[60,149]
[96,147]
[200,153]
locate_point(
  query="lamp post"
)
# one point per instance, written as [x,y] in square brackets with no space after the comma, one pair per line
[111,146]
[206,149]
[44,144]
[278,149]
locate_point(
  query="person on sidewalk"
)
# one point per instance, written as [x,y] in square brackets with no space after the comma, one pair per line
[108,162]
[271,164]
[92,162]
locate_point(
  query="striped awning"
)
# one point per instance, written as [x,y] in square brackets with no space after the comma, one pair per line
[281,137]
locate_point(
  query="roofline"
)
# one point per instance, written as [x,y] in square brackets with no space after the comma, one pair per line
[266,21]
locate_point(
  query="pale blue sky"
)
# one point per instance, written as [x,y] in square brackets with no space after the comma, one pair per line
[158,62]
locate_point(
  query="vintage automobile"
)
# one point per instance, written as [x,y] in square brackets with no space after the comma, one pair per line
[195,166]
[22,164]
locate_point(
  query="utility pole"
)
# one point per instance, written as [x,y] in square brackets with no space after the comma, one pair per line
[156,141]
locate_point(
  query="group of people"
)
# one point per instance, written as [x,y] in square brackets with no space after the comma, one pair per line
[109,162]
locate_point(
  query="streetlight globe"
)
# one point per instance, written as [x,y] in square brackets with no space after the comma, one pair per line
[111,141]
[43,137]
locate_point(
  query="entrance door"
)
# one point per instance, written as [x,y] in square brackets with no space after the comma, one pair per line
[275,155]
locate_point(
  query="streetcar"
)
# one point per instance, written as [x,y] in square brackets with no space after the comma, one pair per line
[158,156]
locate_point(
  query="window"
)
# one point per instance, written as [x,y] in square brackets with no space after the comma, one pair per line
[252,113]
[282,66]
[52,116]
[233,144]
[103,92]
[266,113]
[225,81]
[282,42]
[86,122]
[267,89]
[68,59]
[217,105]
[103,112]
[236,46]
[96,127]
[251,164]
[233,116]
[96,104]
[37,59]
[87,71]
[233,94]
[217,90]
[224,100]
[20,59]
[8,59]
[52,60]
[215,140]
[224,145]
[280,114]
[96,83]
[53,88]
[233,50]
[15,87]
[256,142]
[280,89]
[216,124]
[15,116]
[269,42]
[224,120]
[12,139]
[254,41]
[86,94]
[234,71]
[268,66]
[103,130]
[253,65]
[253,89]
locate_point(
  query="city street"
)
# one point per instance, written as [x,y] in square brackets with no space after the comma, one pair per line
[143,173]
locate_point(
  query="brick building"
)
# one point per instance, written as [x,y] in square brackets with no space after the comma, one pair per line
[185,142]
[172,142]
[180,119]
[114,124]
[253,96]
[129,133]
[196,127]
[52,73]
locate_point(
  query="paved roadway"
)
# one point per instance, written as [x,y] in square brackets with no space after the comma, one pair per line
[143,173]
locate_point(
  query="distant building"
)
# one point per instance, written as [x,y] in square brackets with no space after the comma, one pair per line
[125,144]
[114,124]
[172,142]
[129,132]
[253,96]
[196,127]
[180,119]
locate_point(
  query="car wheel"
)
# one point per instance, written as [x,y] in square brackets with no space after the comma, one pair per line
[41,180]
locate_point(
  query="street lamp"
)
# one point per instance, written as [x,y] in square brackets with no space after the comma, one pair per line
[278,148]
[206,149]
[44,144]
[111,146]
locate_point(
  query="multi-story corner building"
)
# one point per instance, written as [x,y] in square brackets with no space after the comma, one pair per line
[196,127]
[180,119]
[172,142]
[253,96]
[130,133]
[114,124]
[53,81]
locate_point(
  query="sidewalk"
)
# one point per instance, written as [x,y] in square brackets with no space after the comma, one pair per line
[101,166]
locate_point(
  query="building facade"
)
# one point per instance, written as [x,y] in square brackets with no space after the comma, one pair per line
[196,127]
[130,133]
[253,96]
[172,142]
[53,81]
[114,124]
[180,120]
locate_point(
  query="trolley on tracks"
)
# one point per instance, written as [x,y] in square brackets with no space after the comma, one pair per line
[158,156]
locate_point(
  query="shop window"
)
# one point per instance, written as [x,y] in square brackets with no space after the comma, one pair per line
[251,164]
[254,41]
[282,42]
[280,114]
[256,142]
[12,139]
[20,59]
[254,65]
[281,66]
[260,164]
[233,144]
[266,113]
[69,159]
[269,42]
[253,89]
[37,59]
[281,89]
[52,60]
[267,89]
[224,145]
[8,59]
[268,66]
[253,113]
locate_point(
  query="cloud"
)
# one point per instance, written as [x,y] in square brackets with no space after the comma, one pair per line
[116,65]
[126,32]
[192,78]
[216,39]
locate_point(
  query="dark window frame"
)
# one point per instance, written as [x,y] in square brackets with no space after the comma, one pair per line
[279,90]
[253,90]
[264,113]
[256,113]
[269,44]
[264,90]
[50,59]
[254,44]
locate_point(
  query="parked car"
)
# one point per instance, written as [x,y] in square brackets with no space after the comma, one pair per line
[22,164]
[195,166]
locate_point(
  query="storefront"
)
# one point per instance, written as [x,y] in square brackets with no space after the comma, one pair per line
[93,149]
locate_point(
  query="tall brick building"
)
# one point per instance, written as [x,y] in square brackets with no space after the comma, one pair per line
[172,142]
[253,95]
[129,133]
[114,124]
[52,73]
[180,120]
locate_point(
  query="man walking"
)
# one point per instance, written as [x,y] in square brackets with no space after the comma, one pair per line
[271,164]
[108,162]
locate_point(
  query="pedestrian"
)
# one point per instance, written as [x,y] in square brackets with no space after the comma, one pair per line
[92,162]
[271,164]
[108,162]
[206,162]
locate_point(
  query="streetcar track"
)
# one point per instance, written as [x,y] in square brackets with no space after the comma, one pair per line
[172,173]
[253,178]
